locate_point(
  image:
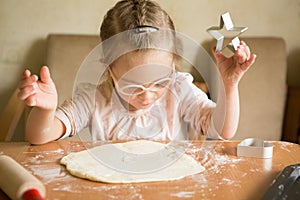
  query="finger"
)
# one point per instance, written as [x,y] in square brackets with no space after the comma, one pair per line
[244,47]
[45,75]
[25,74]
[241,55]
[26,92]
[243,42]
[250,62]
[28,81]
[219,56]
[31,101]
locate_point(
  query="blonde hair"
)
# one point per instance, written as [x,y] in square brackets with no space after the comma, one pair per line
[129,14]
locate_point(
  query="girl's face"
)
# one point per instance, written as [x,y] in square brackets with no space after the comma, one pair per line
[142,77]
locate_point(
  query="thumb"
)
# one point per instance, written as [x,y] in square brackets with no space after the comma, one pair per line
[45,75]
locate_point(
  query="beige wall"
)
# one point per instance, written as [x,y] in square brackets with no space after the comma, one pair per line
[24,25]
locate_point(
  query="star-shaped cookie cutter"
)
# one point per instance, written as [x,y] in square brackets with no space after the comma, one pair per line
[226,22]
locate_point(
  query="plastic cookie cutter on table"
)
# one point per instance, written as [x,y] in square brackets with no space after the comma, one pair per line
[255,148]
[216,32]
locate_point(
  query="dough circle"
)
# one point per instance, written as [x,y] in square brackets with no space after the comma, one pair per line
[84,165]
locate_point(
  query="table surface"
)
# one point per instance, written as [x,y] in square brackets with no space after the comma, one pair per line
[226,175]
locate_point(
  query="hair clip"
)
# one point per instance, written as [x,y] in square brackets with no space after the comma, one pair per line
[145,29]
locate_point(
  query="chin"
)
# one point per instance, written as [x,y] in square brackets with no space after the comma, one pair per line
[142,106]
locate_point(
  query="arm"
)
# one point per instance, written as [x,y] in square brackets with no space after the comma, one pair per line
[42,126]
[231,71]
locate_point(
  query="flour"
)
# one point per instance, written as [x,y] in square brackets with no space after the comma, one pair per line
[210,157]
[285,146]
[68,188]
[215,162]
[254,170]
[244,174]
[36,159]
[45,172]
[113,192]
[56,151]
[183,194]
[44,165]
[227,181]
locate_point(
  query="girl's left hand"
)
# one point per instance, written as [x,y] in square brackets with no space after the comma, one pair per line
[232,69]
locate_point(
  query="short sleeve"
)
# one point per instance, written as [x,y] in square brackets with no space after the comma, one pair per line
[64,119]
[196,107]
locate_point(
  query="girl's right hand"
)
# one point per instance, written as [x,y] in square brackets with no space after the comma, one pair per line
[40,93]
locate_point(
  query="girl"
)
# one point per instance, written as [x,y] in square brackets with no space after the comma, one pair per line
[141,96]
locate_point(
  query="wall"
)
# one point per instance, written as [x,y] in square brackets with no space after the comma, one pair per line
[25,24]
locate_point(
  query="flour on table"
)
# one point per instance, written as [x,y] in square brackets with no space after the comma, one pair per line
[86,164]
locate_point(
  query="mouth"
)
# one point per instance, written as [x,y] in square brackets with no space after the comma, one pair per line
[145,104]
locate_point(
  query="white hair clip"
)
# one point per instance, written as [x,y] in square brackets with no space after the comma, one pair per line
[145,29]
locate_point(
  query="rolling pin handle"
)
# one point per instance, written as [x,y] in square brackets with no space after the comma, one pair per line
[32,194]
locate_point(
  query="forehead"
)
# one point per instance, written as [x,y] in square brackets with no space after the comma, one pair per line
[146,74]
[135,59]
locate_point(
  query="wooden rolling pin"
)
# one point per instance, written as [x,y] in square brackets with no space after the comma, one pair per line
[17,182]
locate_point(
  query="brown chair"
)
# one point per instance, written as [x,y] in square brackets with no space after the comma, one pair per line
[10,117]
[65,53]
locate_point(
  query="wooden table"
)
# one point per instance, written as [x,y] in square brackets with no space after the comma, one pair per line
[226,176]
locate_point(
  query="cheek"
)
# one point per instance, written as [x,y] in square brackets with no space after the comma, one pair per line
[160,93]
[132,99]
[124,97]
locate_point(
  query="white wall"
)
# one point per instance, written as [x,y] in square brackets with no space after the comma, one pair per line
[25,24]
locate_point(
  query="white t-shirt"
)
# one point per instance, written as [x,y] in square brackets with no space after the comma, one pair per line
[183,106]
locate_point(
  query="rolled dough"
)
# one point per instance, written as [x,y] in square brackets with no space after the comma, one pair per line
[86,164]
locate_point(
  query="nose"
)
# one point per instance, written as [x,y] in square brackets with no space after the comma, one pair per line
[146,95]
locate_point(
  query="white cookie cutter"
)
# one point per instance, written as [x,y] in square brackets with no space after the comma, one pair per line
[255,148]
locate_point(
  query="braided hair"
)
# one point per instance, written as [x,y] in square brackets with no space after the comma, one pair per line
[129,14]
